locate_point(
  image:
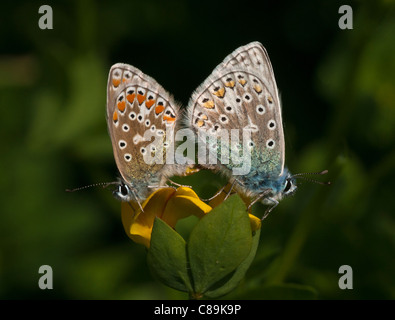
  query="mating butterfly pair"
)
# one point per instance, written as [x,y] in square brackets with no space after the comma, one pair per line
[241,93]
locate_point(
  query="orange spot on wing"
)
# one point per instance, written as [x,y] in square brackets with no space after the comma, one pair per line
[166,118]
[121,106]
[141,98]
[242,82]
[159,109]
[209,104]
[230,84]
[131,97]
[115,116]
[200,123]
[116,82]
[258,88]
[220,92]
[149,103]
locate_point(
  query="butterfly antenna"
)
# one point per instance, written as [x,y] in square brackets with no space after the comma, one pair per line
[301,175]
[103,184]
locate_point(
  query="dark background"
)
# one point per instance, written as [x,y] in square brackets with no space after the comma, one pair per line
[338,92]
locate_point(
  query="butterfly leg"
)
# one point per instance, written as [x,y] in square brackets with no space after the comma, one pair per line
[159,187]
[228,193]
[230,190]
[134,210]
[178,185]
[263,194]
[270,209]
[137,200]
[216,195]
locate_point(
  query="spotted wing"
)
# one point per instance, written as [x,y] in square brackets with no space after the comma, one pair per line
[141,119]
[241,93]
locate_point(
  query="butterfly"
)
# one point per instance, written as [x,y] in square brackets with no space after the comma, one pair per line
[140,110]
[241,94]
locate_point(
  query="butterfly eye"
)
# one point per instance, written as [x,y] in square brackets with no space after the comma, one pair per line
[124,190]
[287,186]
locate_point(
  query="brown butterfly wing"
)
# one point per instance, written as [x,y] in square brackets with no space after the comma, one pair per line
[241,93]
[141,119]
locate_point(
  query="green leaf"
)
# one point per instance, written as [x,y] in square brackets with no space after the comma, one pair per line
[238,274]
[219,243]
[167,257]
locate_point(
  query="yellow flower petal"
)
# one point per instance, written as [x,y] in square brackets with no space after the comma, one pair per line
[180,207]
[170,205]
[166,203]
[256,223]
[137,224]
[185,191]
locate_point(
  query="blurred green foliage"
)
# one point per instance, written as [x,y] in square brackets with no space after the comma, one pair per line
[338,94]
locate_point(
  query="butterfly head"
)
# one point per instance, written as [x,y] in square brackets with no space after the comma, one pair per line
[285,185]
[123,192]
[282,187]
[288,186]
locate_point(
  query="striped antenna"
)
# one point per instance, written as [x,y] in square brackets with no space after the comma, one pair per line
[301,175]
[103,184]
